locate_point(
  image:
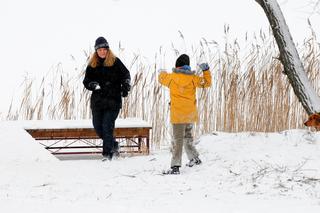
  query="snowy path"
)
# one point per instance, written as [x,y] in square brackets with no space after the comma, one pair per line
[245,172]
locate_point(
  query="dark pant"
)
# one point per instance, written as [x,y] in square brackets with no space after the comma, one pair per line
[103,122]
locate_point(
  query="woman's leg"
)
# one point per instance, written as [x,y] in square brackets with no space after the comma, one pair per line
[97,117]
[108,124]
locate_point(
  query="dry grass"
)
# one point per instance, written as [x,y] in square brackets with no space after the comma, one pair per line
[249,91]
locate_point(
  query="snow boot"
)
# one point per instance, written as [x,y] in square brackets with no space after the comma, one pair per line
[116,154]
[173,171]
[194,161]
[107,157]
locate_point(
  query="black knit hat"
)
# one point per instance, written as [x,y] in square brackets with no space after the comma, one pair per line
[183,60]
[101,42]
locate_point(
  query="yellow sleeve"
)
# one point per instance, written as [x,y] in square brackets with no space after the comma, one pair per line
[165,78]
[203,81]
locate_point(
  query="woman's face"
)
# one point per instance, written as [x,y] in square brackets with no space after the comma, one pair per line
[102,52]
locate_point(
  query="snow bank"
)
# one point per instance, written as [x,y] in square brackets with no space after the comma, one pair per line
[267,165]
[241,173]
[17,146]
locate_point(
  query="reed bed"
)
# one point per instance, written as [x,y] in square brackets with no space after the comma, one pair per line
[249,90]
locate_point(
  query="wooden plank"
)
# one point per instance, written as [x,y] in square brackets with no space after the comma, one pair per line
[56,134]
[141,134]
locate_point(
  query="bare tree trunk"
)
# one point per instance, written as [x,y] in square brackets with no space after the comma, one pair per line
[289,57]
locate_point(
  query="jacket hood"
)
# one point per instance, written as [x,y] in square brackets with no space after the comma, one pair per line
[186,69]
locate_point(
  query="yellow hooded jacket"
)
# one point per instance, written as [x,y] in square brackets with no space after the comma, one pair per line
[183,106]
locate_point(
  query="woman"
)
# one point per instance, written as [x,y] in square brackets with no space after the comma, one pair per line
[108,79]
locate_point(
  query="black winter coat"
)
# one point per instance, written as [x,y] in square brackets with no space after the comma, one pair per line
[113,81]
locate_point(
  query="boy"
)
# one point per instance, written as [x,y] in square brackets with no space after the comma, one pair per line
[183,108]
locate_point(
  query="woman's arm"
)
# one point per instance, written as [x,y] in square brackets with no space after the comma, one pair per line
[125,78]
[88,81]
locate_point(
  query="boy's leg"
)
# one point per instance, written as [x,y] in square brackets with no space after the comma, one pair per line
[189,143]
[177,143]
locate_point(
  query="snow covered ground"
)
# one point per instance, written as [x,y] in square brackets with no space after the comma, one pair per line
[241,173]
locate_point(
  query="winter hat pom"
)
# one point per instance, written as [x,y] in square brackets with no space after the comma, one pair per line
[101,42]
[183,60]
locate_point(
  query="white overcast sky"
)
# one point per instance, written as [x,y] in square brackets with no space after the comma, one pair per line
[37,34]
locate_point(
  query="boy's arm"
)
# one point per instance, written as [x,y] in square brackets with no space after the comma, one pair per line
[164,78]
[203,81]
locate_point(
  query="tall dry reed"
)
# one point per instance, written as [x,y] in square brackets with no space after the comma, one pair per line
[249,91]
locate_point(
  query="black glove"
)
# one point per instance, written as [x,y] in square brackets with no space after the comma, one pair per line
[94,85]
[124,93]
[126,85]
[125,88]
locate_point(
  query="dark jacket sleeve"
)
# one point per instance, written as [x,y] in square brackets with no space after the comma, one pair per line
[88,81]
[125,77]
